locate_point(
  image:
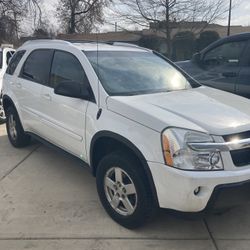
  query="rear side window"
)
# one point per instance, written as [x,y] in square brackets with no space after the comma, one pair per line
[37,66]
[14,62]
[66,67]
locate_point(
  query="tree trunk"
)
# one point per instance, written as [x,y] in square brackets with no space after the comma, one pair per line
[168,30]
[72,25]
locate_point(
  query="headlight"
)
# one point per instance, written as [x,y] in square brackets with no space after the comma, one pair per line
[178,154]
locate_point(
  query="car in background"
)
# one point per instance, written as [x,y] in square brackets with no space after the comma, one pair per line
[6,53]
[225,65]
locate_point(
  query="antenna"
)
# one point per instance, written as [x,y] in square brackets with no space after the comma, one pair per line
[99,112]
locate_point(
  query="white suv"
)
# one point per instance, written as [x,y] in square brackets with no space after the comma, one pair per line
[151,135]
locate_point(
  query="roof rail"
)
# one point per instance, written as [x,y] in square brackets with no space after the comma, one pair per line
[60,41]
[44,41]
[125,44]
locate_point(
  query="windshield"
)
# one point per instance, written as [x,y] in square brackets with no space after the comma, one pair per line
[130,73]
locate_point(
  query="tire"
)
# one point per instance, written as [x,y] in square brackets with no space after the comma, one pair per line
[16,134]
[2,113]
[115,199]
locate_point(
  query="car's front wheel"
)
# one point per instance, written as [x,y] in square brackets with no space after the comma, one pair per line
[15,131]
[123,190]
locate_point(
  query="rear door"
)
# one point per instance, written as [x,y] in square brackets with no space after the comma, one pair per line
[221,66]
[63,118]
[243,83]
[28,87]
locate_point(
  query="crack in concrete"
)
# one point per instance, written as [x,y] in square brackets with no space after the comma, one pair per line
[19,163]
[211,235]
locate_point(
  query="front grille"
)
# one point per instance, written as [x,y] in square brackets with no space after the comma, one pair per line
[240,157]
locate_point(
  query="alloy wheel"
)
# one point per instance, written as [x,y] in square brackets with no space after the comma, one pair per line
[12,127]
[120,191]
[2,114]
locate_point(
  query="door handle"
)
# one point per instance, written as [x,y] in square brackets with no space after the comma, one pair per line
[47,97]
[230,74]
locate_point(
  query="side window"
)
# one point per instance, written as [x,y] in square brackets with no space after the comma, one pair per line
[37,66]
[8,56]
[225,54]
[66,67]
[14,62]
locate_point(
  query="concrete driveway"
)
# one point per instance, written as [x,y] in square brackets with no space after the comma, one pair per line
[48,201]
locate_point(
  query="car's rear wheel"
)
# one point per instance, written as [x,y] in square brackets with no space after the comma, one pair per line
[124,191]
[2,115]
[15,131]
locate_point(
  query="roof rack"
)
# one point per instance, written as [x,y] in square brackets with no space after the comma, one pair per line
[116,43]
[125,44]
[44,41]
[60,41]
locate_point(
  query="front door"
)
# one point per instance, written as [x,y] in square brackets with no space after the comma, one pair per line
[243,83]
[63,117]
[221,66]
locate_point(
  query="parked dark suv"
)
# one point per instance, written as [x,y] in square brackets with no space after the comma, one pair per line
[225,64]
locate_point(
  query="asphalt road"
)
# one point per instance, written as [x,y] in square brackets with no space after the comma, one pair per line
[48,201]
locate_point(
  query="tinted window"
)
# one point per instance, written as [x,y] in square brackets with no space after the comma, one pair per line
[1,59]
[37,66]
[225,54]
[14,62]
[66,67]
[8,56]
[131,73]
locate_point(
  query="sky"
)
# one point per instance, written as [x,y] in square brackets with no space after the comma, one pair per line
[240,14]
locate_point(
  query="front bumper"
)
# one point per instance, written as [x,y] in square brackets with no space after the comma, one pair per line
[176,188]
[228,195]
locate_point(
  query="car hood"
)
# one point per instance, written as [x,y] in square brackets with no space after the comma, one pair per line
[203,109]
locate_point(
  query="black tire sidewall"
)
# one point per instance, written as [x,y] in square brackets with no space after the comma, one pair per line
[22,139]
[144,197]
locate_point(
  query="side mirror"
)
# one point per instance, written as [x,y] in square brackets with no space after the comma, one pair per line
[196,58]
[73,89]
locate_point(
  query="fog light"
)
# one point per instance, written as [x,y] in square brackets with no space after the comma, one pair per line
[197,190]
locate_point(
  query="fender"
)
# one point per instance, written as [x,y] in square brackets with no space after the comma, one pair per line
[132,147]
[8,99]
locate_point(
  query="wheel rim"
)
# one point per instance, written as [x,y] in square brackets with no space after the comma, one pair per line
[12,127]
[2,114]
[120,191]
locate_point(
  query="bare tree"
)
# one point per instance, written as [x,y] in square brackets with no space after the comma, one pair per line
[165,14]
[11,14]
[80,15]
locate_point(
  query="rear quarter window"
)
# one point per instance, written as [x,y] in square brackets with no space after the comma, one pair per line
[14,62]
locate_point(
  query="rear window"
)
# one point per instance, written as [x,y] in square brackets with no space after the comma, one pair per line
[14,62]
[37,66]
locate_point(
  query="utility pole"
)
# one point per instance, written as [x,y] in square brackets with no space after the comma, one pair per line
[229,18]
[115,26]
